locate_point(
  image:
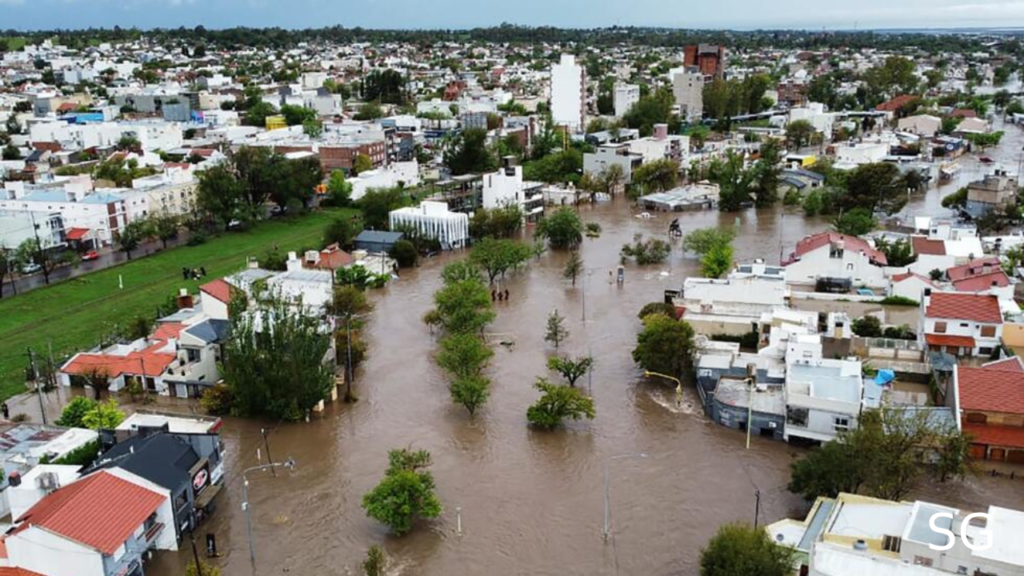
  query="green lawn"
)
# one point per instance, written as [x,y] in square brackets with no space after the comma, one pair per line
[72,315]
[14,43]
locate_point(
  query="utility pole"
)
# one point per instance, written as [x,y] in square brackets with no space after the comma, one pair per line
[195,553]
[757,506]
[39,389]
[266,446]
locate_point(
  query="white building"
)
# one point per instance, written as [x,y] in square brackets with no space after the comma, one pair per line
[394,174]
[853,535]
[814,113]
[824,396]
[734,305]
[506,187]
[624,97]
[961,324]
[834,256]
[923,125]
[568,93]
[661,146]
[101,213]
[102,525]
[688,89]
[434,220]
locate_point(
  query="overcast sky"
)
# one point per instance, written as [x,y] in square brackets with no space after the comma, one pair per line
[744,14]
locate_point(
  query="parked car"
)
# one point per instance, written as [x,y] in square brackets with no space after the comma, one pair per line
[90,255]
[30,268]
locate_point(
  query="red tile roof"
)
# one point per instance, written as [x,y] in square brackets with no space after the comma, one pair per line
[855,243]
[101,511]
[10,571]
[896,103]
[907,275]
[991,435]
[218,289]
[949,340]
[982,282]
[151,361]
[77,233]
[974,268]
[924,245]
[963,113]
[976,307]
[1013,363]
[333,258]
[991,389]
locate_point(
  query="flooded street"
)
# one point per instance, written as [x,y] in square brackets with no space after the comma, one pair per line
[531,501]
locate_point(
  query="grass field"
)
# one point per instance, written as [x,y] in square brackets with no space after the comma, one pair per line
[14,43]
[71,316]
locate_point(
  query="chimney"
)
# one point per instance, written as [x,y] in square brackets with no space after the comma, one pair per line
[184,300]
[986,269]
[293,262]
[661,131]
[252,263]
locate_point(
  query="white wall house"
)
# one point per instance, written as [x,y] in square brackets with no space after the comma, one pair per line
[102,525]
[824,396]
[404,173]
[434,220]
[506,186]
[961,324]
[568,93]
[836,256]
[733,305]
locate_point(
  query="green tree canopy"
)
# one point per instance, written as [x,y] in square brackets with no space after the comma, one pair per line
[406,493]
[558,403]
[742,550]
[562,230]
[664,345]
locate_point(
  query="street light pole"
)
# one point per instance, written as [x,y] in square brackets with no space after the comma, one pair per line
[289,464]
[607,503]
[679,384]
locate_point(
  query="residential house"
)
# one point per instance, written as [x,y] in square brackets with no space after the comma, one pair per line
[985,276]
[830,256]
[910,285]
[853,535]
[824,396]
[105,524]
[178,359]
[173,464]
[25,446]
[963,325]
[507,187]
[732,306]
[923,125]
[598,161]
[992,192]
[990,401]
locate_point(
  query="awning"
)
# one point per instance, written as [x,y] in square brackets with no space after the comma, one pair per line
[77,234]
[949,340]
[207,496]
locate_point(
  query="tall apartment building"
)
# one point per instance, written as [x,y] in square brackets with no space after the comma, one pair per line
[708,58]
[688,89]
[568,93]
[624,97]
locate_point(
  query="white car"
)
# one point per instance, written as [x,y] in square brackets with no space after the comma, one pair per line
[30,268]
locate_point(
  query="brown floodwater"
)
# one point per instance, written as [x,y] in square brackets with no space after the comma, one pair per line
[530,501]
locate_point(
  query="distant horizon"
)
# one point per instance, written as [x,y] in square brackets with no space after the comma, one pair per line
[899,29]
[33,16]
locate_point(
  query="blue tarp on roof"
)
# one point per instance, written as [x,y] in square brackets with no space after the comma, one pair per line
[884,376]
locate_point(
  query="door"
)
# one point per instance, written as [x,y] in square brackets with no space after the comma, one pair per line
[977,451]
[997,454]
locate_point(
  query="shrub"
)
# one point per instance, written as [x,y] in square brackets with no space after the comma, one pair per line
[657,308]
[75,411]
[404,253]
[899,301]
[217,400]
[867,327]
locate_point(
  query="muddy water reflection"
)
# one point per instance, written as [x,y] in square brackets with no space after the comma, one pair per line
[531,502]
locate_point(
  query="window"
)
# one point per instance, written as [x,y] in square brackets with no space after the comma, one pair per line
[977,418]
[840,423]
[891,543]
[940,327]
[988,331]
[965,325]
[796,416]
[922,561]
[985,351]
